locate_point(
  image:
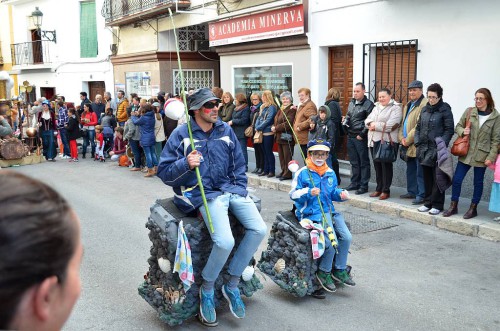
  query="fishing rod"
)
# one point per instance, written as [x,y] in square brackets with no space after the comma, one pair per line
[325,223]
[191,140]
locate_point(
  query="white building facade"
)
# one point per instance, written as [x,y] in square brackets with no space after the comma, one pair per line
[68,54]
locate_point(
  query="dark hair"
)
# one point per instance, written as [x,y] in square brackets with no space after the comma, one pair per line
[121,91]
[119,129]
[386,90]
[217,91]
[436,88]
[37,238]
[240,97]
[109,111]
[136,98]
[60,103]
[146,108]
[361,84]
[62,97]
[84,94]
[88,104]
[134,95]
[489,98]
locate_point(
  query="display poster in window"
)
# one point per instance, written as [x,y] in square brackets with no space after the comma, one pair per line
[139,82]
[277,78]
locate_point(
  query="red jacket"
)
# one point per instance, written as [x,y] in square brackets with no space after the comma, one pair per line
[91,117]
[119,147]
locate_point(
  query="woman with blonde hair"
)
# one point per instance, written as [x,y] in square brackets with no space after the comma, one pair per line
[227,107]
[264,123]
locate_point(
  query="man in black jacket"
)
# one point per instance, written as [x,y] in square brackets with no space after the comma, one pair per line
[357,145]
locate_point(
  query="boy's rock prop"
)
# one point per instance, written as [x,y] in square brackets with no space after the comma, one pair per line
[162,288]
[288,259]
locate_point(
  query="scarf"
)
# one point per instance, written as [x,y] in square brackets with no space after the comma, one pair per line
[320,170]
[46,115]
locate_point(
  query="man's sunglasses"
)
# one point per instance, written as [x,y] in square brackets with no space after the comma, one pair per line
[210,105]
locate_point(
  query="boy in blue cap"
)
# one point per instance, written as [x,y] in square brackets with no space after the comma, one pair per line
[308,211]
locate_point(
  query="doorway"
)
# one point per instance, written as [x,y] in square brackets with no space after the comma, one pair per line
[36,47]
[340,64]
[95,88]
[47,92]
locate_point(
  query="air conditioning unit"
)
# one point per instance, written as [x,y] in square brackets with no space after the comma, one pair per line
[200,45]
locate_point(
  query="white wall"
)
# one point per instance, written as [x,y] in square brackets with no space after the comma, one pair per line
[458,42]
[300,74]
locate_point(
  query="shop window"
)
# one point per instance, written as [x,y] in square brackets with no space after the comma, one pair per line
[88,29]
[277,78]
[193,79]
[188,34]
[139,82]
[391,64]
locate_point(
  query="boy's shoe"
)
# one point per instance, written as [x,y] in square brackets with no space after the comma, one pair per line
[207,313]
[326,281]
[343,277]
[319,294]
[423,209]
[235,303]
[434,211]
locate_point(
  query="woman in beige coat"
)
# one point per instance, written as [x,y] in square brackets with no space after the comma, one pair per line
[383,121]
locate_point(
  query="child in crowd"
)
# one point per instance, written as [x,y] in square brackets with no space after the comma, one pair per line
[308,211]
[99,138]
[119,146]
[73,131]
[495,188]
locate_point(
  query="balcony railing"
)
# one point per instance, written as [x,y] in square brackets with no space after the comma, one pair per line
[35,52]
[115,10]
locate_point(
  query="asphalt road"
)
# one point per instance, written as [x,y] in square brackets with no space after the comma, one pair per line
[409,276]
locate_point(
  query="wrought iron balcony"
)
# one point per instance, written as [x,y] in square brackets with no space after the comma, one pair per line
[121,12]
[35,52]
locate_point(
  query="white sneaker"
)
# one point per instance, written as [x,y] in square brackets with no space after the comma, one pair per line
[66,157]
[423,209]
[434,211]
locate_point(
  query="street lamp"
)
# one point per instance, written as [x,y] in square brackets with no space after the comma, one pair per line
[37,17]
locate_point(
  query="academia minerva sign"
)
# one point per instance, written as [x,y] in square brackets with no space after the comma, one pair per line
[272,24]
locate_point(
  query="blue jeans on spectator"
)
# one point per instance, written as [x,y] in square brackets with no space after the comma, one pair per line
[360,162]
[460,172]
[48,143]
[151,160]
[136,149]
[415,178]
[343,237]
[65,142]
[245,211]
[121,124]
[89,138]
[158,149]
[267,145]
[243,144]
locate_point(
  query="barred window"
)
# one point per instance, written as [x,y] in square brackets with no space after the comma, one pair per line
[193,79]
[391,64]
[189,33]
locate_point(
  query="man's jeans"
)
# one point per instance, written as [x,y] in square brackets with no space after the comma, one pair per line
[360,162]
[64,140]
[245,211]
[137,150]
[343,237]
[415,178]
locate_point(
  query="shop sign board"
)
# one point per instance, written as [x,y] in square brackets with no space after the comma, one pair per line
[276,23]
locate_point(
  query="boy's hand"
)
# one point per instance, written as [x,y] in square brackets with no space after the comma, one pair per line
[344,195]
[315,191]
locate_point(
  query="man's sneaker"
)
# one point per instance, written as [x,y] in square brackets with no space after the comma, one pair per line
[207,313]
[423,209]
[326,281]
[343,277]
[434,211]
[235,303]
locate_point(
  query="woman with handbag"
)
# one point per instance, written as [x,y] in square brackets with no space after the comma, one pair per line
[283,135]
[481,125]
[240,122]
[263,124]
[257,146]
[436,120]
[382,124]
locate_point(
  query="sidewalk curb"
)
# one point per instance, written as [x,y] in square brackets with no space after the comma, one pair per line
[476,227]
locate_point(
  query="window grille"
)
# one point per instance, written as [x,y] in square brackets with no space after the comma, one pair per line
[391,64]
[193,79]
[189,33]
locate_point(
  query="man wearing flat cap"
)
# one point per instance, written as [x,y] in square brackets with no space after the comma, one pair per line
[221,164]
[411,115]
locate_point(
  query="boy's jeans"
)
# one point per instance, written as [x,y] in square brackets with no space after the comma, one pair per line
[245,211]
[343,237]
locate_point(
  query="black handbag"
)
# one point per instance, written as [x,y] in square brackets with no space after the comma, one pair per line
[385,151]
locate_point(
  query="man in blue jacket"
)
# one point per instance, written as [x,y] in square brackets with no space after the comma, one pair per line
[219,158]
